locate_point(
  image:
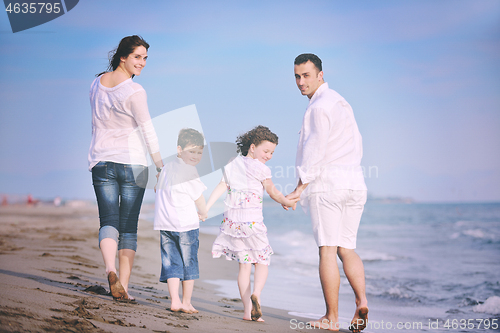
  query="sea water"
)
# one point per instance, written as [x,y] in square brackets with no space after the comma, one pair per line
[428,267]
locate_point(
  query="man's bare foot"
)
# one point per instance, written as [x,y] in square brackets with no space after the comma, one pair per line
[326,324]
[256,312]
[116,287]
[359,320]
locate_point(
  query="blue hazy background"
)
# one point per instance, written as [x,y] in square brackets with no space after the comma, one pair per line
[423,78]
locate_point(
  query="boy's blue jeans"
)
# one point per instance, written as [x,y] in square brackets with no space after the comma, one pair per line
[119,197]
[179,255]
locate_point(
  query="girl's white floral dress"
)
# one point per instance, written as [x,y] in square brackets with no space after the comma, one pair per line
[243,235]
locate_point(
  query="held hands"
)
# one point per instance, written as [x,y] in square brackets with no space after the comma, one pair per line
[157,178]
[295,195]
[291,200]
[203,215]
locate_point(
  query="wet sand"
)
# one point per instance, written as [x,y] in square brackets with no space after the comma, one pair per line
[52,279]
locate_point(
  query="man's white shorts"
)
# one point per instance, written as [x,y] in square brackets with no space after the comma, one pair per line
[335,217]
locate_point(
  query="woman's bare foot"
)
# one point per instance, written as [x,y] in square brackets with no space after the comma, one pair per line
[116,287]
[130,297]
[326,324]
[256,312]
[359,320]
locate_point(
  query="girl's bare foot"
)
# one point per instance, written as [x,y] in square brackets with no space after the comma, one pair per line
[256,312]
[250,319]
[359,320]
[326,324]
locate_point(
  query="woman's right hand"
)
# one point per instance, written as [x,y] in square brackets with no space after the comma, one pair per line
[157,178]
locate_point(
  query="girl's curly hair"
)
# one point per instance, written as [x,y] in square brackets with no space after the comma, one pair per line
[254,136]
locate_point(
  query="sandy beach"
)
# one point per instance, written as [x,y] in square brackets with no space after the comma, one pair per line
[53,280]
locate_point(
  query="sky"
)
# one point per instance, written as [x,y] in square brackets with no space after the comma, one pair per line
[423,78]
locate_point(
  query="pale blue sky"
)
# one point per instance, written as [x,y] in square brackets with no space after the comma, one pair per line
[423,78]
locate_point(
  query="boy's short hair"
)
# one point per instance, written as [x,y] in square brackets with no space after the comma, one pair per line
[305,57]
[189,136]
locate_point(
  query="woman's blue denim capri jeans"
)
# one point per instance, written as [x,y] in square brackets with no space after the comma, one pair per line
[119,189]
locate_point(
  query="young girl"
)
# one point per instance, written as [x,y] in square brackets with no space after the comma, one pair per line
[243,235]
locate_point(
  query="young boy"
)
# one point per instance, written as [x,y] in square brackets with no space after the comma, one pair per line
[179,207]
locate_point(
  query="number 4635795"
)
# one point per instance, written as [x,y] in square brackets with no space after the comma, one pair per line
[471,324]
[33,8]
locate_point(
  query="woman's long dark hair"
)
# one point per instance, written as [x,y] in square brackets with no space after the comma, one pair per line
[127,45]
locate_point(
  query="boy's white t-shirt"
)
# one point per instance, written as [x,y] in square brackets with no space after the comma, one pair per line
[179,186]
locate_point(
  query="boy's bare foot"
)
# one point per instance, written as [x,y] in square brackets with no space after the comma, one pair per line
[256,312]
[189,309]
[359,320]
[176,307]
[326,324]
[116,287]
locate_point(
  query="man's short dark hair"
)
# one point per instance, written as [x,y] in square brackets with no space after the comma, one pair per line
[305,57]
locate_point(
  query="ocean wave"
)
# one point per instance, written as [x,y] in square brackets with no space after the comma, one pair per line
[491,305]
[297,252]
[293,238]
[484,230]
[468,302]
[476,233]
[398,292]
[460,224]
[489,236]
[393,292]
[375,256]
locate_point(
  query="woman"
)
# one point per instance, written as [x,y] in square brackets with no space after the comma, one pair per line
[122,135]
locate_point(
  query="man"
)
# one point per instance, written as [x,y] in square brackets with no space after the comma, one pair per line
[332,188]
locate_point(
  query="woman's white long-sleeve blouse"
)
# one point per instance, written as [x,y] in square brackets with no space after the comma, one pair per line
[122,130]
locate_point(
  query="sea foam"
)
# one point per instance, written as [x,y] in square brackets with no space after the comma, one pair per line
[491,305]
[476,233]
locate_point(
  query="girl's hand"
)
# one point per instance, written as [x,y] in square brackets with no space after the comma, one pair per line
[203,216]
[287,203]
[295,194]
[278,196]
